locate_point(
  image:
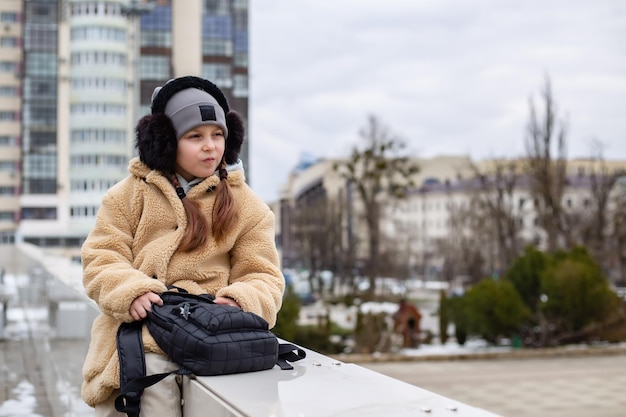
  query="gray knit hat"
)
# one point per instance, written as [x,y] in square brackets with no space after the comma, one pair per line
[193,107]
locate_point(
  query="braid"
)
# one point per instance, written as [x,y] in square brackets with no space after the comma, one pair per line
[197,226]
[224,214]
[179,189]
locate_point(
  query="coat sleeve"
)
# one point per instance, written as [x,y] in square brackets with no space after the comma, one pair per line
[109,277]
[256,281]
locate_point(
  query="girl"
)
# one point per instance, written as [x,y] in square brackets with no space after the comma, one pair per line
[184,217]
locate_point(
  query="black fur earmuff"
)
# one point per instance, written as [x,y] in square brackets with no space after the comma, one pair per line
[156,136]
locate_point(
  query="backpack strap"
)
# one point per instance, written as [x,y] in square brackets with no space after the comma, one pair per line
[132,365]
[288,352]
[133,377]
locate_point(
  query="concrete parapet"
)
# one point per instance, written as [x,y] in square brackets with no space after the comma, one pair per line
[68,312]
[317,386]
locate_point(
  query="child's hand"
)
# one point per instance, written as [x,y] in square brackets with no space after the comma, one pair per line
[227,301]
[141,305]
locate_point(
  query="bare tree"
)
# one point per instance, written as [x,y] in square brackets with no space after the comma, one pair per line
[618,237]
[485,235]
[463,249]
[378,172]
[401,252]
[548,171]
[497,196]
[318,234]
[593,226]
[309,235]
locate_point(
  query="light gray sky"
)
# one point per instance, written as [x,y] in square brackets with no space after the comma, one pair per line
[449,77]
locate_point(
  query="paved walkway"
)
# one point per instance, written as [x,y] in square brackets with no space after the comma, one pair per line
[576,386]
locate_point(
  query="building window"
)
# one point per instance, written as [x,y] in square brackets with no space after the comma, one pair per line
[159,20]
[41,13]
[98,109]
[8,17]
[9,91]
[98,136]
[216,7]
[241,59]
[8,116]
[241,19]
[217,27]
[9,41]
[40,115]
[98,160]
[9,167]
[40,186]
[40,165]
[40,38]
[218,73]
[83,211]
[217,47]
[8,141]
[40,88]
[9,67]
[39,213]
[7,216]
[99,58]
[154,67]
[109,84]
[98,33]
[41,63]
[7,237]
[8,190]
[241,41]
[92,185]
[156,38]
[40,140]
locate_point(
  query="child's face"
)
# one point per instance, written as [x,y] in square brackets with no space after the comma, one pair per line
[200,151]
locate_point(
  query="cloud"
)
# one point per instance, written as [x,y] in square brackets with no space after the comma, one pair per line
[451,77]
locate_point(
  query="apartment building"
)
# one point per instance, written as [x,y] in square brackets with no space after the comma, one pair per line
[75,76]
[419,223]
[317,181]
[11,58]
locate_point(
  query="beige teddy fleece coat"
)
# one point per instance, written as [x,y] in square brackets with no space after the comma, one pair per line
[133,249]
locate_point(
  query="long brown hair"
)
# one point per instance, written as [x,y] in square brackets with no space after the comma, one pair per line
[224,214]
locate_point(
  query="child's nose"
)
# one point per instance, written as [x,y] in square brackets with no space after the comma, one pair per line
[208,144]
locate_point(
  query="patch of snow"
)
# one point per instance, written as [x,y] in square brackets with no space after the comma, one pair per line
[24,403]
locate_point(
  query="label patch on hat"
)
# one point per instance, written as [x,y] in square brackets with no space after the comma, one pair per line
[207,112]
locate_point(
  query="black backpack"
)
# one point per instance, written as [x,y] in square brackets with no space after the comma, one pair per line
[202,337]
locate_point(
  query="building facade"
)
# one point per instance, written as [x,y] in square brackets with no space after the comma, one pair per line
[424,229]
[75,76]
[11,88]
